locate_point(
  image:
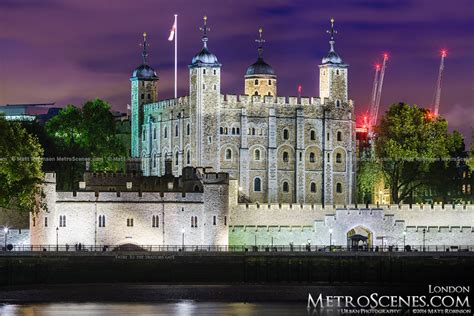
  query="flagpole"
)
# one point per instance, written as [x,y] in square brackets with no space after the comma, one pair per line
[176,57]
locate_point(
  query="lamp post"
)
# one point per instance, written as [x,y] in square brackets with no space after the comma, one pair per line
[404,238]
[424,232]
[182,232]
[5,232]
[330,239]
[57,239]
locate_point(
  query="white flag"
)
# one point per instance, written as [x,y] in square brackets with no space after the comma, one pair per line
[173,30]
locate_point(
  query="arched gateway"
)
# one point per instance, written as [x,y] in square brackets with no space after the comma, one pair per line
[359,238]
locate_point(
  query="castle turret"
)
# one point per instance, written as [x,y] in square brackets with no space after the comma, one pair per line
[144,90]
[333,74]
[260,78]
[205,86]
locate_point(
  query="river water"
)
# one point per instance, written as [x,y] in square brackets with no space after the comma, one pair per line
[182,308]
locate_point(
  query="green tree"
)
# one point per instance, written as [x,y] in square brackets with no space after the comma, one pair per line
[85,134]
[20,168]
[408,141]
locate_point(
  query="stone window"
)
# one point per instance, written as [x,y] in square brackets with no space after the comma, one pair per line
[154,133]
[204,71]
[62,220]
[143,135]
[101,220]
[214,220]
[313,187]
[188,129]
[256,93]
[155,221]
[337,72]
[338,103]
[209,140]
[176,130]
[196,188]
[301,156]
[269,94]
[286,157]
[269,83]
[194,221]
[129,222]
[165,133]
[257,184]
[149,96]
[228,154]
[338,187]
[286,134]
[45,222]
[215,87]
[203,86]
[238,130]
[312,135]
[233,130]
[256,154]
[215,72]
[34,221]
[327,136]
[154,160]
[176,158]
[256,81]
[221,130]
[286,187]
[339,136]
[338,158]
[188,157]
[312,157]
[225,220]
[142,96]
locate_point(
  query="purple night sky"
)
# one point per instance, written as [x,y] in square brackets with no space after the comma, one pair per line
[71,51]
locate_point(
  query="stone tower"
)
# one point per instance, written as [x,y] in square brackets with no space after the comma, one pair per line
[333,94]
[205,86]
[260,78]
[333,74]
[144,90]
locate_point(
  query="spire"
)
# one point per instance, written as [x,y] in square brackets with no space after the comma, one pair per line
[204,30]
[332,32]
[260,42]
[145,45]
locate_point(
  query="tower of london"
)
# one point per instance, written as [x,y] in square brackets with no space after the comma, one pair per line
[280,149]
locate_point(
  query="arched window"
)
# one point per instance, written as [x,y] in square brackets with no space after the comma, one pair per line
[256,93]
[188,129]
[221,130]
[337,72]
[238,130]
[286,187]
[285,156]
[154,133]
[338,187]
[101,220]
[253,130]
[313,135]
[196,188]
[45,222]
[195,221]
[176,130]
[269,83]
[165,134]
[338,158]
[312,157]
[286,134]
[338,103]
[192,221]
[257,185]
[188,157]
[214,220]
[228,154]
[313,187]
[225,130]
[256,81]
[269,94]
[233,130]
[176,158]
[143,135]
[256,155]
[339,136]
[154,161]
[155,221]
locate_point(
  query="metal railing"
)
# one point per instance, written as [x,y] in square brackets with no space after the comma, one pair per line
[235,248]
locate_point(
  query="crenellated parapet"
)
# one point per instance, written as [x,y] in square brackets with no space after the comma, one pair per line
[167,104]
[243,101]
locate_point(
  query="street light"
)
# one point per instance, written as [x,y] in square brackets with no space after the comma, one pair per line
[57,239]
[404,238]
[424,232]
[5,233]
[182,232]
[330,239]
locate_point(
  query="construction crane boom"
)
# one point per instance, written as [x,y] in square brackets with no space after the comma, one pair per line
[374,114]
[438,84]
[374,95]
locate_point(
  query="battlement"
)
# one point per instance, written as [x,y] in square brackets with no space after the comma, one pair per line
[233,100]
[215,178]
[167,103]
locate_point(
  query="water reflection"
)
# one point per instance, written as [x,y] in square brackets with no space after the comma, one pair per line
[182,308]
